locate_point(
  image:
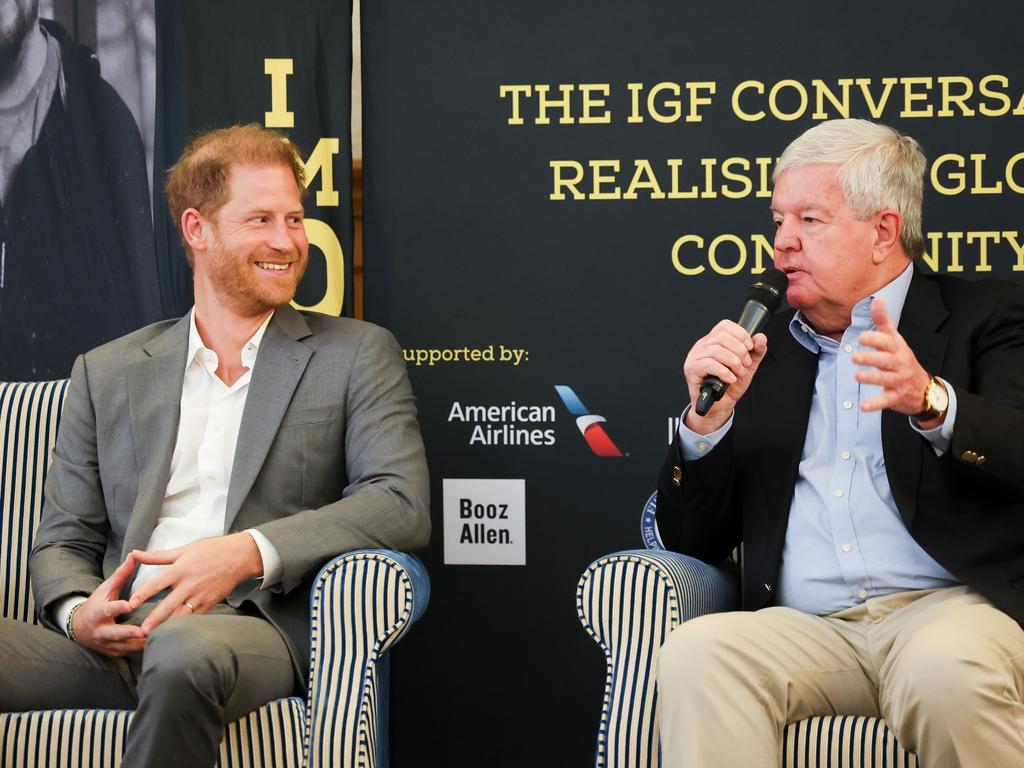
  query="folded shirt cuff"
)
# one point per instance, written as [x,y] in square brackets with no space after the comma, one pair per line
[63,609]
[271,559]
[696,446]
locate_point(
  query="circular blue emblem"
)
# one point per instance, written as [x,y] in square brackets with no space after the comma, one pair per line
[649,524]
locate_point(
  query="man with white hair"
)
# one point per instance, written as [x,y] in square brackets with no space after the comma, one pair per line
[868,455]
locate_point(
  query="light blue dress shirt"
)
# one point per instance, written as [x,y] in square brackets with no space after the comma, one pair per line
[845,540]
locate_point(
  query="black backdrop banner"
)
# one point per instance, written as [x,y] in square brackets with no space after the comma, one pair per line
[559,199]
[286,66]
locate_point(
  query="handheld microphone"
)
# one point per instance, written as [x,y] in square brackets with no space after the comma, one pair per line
[763,299]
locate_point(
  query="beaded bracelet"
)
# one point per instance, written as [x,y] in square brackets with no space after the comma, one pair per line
[69,626]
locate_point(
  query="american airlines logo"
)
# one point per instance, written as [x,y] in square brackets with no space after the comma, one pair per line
[590,424]
[509,424]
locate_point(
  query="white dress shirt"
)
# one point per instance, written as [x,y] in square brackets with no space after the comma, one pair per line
[204,452]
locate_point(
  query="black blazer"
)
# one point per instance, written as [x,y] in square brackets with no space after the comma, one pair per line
[965,508]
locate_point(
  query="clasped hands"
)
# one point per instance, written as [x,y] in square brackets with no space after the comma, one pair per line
[731,354]
[199,575]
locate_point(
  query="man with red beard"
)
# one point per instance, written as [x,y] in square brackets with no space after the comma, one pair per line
[206,468]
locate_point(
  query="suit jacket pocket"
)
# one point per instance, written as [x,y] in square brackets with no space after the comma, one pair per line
[297,417]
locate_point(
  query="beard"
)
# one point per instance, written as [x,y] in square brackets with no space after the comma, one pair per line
[239,284]
[13,31]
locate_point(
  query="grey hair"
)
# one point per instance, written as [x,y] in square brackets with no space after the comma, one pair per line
[879,168]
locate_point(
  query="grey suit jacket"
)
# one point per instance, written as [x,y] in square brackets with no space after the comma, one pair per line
[329,459]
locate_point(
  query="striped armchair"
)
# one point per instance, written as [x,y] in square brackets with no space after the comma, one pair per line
[363,602]
[628,603]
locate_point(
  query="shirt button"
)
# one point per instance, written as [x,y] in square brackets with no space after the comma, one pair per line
[211,477]
[845,455]
[848,348]
[847,547]
[702,446]
[839,492]
[847,405]
[805,329]
[862,594]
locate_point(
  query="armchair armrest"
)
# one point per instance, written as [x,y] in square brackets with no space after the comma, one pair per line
[628,602]
[362,603]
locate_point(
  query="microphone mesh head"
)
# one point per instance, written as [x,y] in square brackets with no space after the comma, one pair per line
[769,289]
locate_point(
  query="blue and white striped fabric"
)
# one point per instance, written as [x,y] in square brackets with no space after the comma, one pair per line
[270,737]
[629,602]
[848,741]
[29,415]
[362,603]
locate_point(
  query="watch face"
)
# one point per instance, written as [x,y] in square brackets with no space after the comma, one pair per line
[938,398]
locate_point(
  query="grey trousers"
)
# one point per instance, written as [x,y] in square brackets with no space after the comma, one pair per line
[196,674]
[943,667]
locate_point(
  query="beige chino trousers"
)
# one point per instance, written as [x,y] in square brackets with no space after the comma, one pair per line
[943,667]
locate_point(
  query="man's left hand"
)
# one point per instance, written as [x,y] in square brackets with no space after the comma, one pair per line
[892,366]
[199,575]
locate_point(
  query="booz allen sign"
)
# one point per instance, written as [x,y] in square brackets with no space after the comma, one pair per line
[484,522]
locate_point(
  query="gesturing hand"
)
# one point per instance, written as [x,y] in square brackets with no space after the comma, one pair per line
[199,575]
[731,354]
[95,624]
[892,366]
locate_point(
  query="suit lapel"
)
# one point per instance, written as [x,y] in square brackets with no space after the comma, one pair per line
[780,405]
[923,313]
[154,404]
[280,363]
